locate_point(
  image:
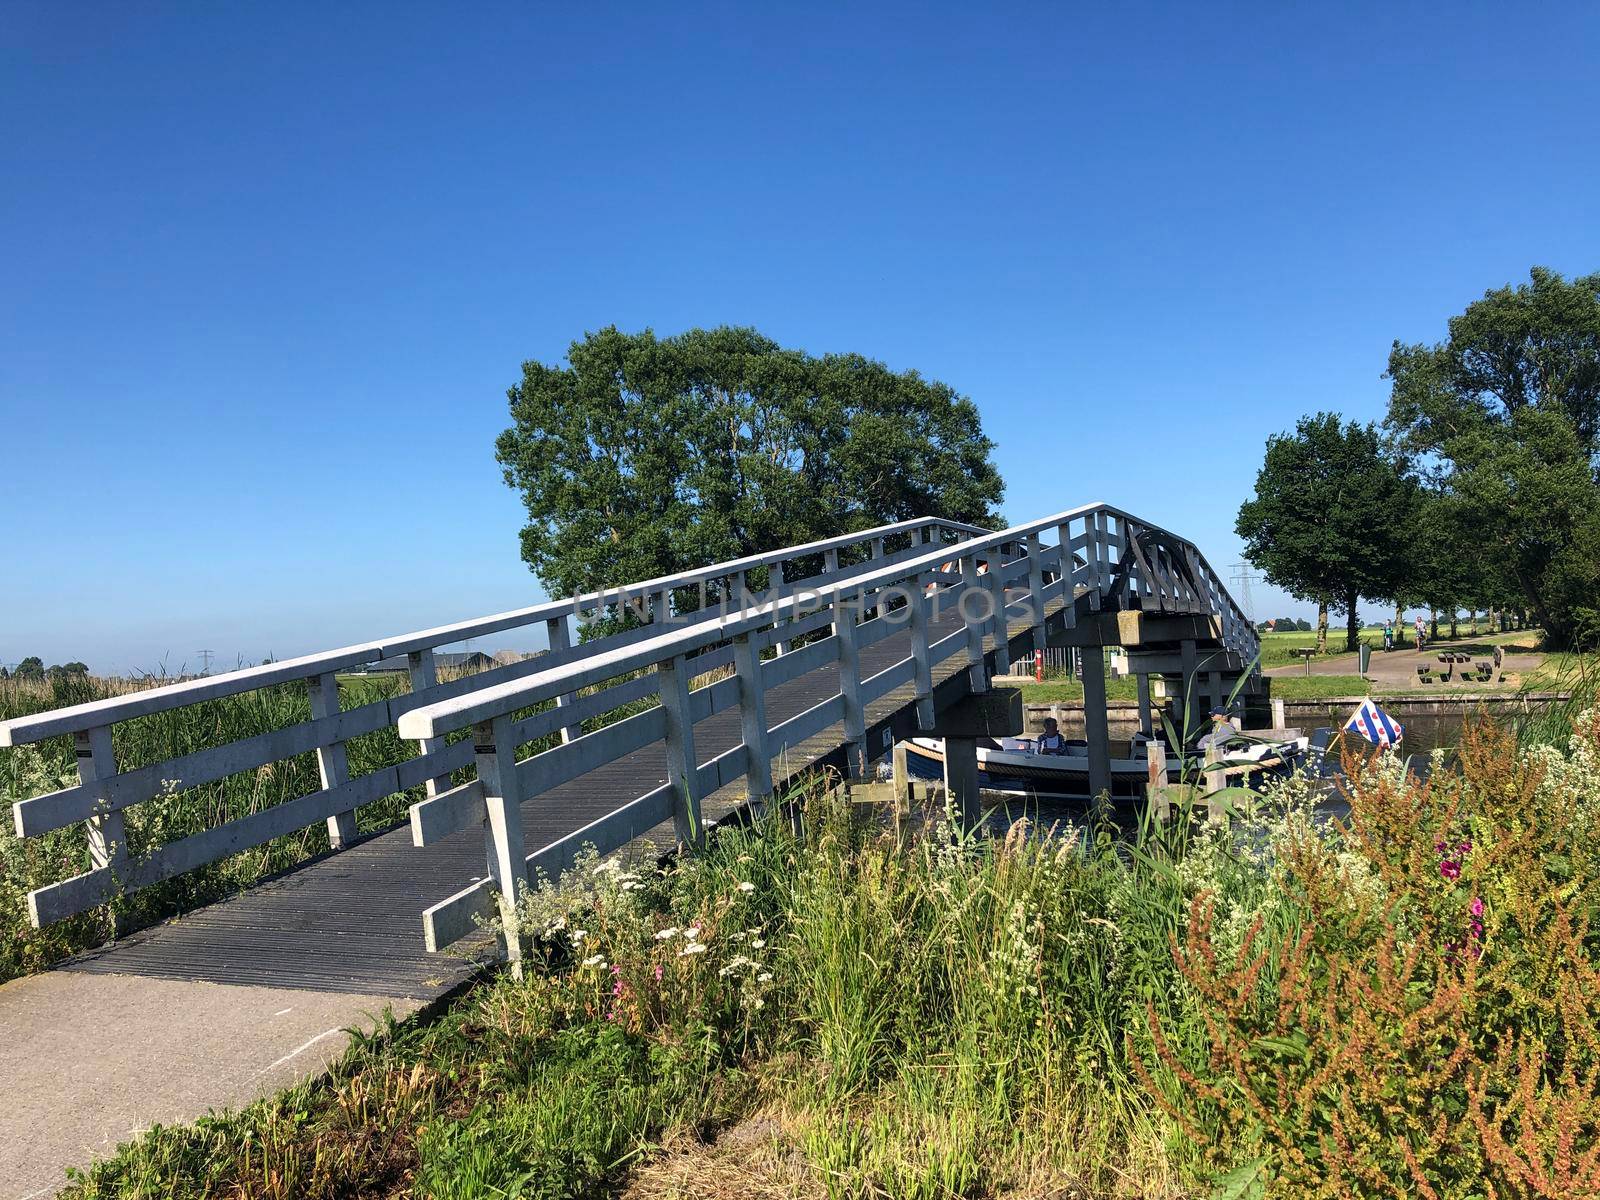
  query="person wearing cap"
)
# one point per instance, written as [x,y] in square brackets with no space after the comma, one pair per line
[1051,741]
[1223,730]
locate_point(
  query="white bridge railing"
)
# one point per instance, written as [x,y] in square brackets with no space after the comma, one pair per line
[891,579]
[1096,552]
[106,788]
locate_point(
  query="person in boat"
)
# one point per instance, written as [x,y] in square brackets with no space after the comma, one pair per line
[1223,730]
[1051,741]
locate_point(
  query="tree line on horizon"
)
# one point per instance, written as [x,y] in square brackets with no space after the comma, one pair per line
[32,669]
[1479,489]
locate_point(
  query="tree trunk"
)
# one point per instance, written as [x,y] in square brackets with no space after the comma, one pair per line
[1399,615]
[1352,624]
[1322,626]
[1452,624]
[1433,624]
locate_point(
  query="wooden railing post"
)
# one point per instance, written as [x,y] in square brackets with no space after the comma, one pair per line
[997,593]
[560,638]
[1092,556]
[753,720]
[855,724]
[683,767]
[1036,592]
[108,837]
[1069,575]
[333,764]
[424,675]
[775,586]
[922,667]
[496,755]
[977,675]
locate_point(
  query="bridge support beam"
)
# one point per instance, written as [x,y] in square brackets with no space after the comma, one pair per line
[963,797]
[1146,716]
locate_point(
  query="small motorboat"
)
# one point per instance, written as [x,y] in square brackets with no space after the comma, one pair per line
[1014,764]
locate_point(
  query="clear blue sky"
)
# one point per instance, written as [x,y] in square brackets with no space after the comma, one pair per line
[268,270]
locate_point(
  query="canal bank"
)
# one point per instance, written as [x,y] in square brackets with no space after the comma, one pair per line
[1430,720]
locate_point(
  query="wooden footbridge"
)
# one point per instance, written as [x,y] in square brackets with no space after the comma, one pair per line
[737,676]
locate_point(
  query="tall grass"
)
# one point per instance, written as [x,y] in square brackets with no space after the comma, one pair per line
[1400,1004]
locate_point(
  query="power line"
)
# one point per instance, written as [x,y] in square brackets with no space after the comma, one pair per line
[1241,580]
[205,657]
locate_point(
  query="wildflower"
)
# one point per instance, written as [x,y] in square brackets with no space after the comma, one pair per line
[747,887]
[1476,907]
[658,972]
[1442,847]
[692,948]
[595,960]
[1465,848]
[631,885]
[1450,869]
[757,943]
[764,977]
[692,932]
[671,931]
[578,935]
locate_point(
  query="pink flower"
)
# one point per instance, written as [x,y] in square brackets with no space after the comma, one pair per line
[1450,869]
[1465,848]
[1476,907]
[658,972]
[1441,847]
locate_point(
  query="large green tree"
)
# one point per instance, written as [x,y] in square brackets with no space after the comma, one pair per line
[1329,518]
[1504,416]
[644,456]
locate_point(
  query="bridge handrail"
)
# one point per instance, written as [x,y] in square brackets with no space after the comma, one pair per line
[1136,560]
[478,706]
[76,718]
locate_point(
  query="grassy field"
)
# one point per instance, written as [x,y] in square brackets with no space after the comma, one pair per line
[1401,1005]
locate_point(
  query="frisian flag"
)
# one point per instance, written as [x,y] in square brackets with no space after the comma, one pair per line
[1377,726]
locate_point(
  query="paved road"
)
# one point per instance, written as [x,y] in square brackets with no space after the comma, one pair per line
[88,1061]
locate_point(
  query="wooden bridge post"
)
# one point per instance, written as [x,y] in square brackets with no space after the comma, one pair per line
[922,667]
[683,766]
[1092,557]
[1036,592]
[496,755]
[855,722]
[108,837]
[775,586]
[560,638]
[424,674]
[333,764]
[1094,719]
[753,721]
[997,592]
[977,674]
[1146,716]
[1069,611]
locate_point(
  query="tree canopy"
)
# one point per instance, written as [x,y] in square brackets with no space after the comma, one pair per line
[1329,517]
[1504,419]
[644,456]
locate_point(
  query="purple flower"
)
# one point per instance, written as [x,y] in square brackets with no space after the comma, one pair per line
[1441,847]
[1476,907]
[1450,869]
[1465,848]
